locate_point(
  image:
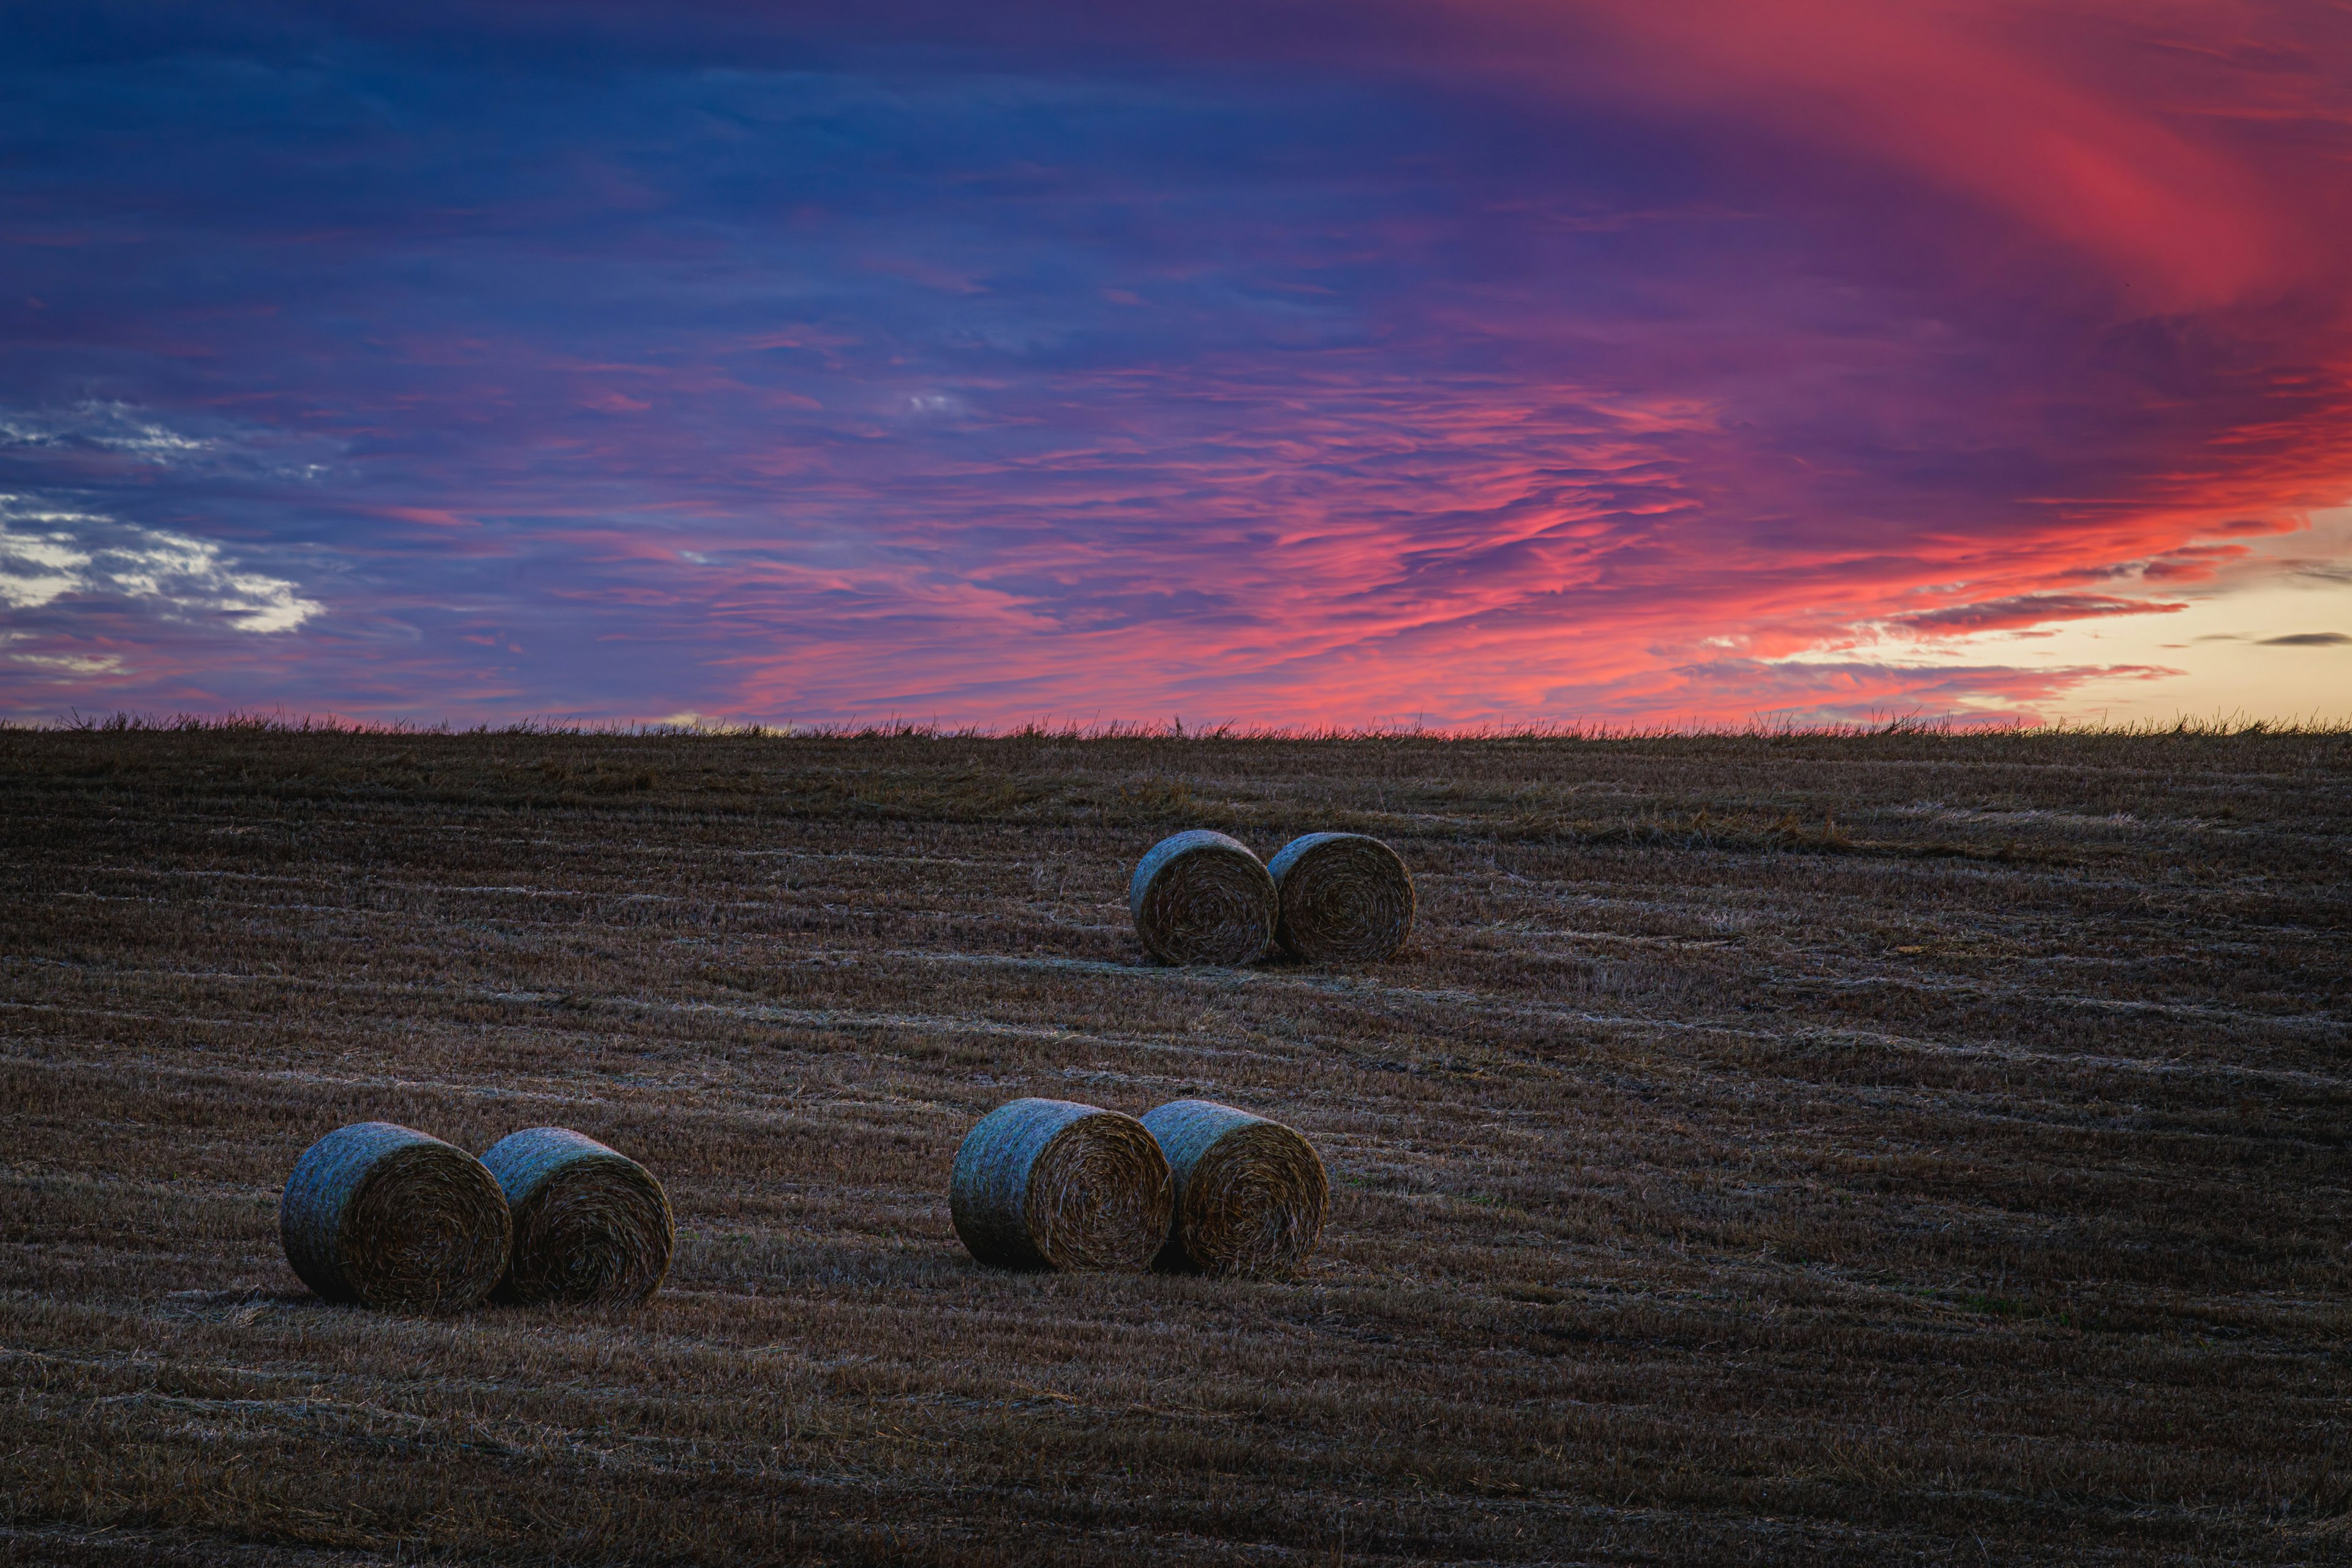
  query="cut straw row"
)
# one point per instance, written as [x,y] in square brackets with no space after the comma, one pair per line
[1192,1185]
[394,1218]
[1199,896]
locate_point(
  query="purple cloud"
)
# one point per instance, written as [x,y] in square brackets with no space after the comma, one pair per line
[2025,610]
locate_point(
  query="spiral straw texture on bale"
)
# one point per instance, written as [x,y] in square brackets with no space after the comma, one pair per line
[590,1225]
[1250,1194]
[1345,898]
[1202,898]
[1047,1184]
[385,1214]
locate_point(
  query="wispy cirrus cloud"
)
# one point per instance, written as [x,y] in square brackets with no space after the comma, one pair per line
[100,427]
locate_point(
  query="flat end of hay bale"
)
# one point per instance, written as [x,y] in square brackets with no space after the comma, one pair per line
[384,1214]
[1251,1193]
[591,1225]
[1199,896]
[1052,1184]
[1342,897]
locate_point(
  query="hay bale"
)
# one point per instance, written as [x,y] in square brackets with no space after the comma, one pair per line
[1046,1184]
[1344,898]
[1250,1194]
[590,1225]
[385,1215]
[1202,898]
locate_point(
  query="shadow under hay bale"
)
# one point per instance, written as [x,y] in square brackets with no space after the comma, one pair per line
[1048,1183]
[591,1225]
[1251,1193]
[1198,897]
[388,1216]
[1344,898]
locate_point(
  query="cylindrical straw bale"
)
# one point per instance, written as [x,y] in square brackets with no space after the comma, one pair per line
[1345,898]
[590,1225]
[1046,1184]
[1250,1194]
[385,1214]
[1202,898]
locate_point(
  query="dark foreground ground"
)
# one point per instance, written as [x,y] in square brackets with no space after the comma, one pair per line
[1873,1150]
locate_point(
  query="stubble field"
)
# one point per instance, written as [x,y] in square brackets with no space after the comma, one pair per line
[1890,1148]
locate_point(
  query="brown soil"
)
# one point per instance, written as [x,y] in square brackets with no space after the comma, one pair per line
[1898,1147]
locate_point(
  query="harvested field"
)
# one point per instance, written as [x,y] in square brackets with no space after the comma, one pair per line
[1893,1147]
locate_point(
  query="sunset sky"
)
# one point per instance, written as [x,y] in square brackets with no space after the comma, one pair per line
[1464,363]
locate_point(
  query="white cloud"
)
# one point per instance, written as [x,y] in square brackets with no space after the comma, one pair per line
[108,426]
[47,555]
[212,444]
[72,663]
[37,568]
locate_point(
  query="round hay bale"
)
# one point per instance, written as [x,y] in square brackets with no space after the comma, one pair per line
[590,1225]
[1250,1194]
[1344,898]
[1046,1184]
[1202,898]
[385,1214]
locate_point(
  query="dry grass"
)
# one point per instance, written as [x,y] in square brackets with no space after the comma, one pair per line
[1768,1149]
